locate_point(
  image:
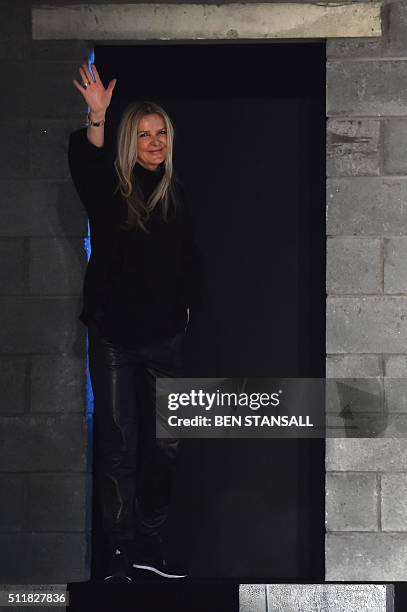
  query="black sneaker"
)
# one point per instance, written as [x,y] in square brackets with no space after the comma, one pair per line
[119,568]
[148,558]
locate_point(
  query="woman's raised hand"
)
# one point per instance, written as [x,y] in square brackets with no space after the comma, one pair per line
[96,96]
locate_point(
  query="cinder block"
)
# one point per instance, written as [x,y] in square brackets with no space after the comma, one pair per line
[354,47]
[57,266]
[351,502]
[330,597]
[392,42]
[395,390]
[35,443]
[49,147]
[40,208]
[73,220]
[14,495]
[366,556]
[58,502]
[15,73]
[41,325]
[53,94]
[12,271]
[373,425]
[13,372]
[393,426]
[15,21]
[395,366]
[354,366]
[58,383]
[366,324]
[395,265]
[252,598]
[394,146]
[366,206]
[394,502]
[41,90]
[65,50]
[370,88]
[354,265]
[347,397]
[366,455]
[44,558]
[352,147]
[14,155]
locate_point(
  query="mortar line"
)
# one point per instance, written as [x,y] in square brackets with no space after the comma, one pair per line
[345,295]
[381,151]
[350,115]
[383,245]
[367,532]
[354,60]
[363,472]
[377,177]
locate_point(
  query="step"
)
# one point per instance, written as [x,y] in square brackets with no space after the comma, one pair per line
[169,595]
[321,597]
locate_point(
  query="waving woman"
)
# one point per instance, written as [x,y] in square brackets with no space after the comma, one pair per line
[138,290]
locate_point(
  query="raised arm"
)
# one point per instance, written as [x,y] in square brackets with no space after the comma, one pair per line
[88,159]
[98,99]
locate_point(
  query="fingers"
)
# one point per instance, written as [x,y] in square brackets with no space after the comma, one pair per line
[96,74]
[89,77]
[111,85]
[78,86]
[83,75]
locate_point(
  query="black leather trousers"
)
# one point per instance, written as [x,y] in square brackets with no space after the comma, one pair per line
[133,470]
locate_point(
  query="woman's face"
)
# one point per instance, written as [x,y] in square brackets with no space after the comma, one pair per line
[151,141]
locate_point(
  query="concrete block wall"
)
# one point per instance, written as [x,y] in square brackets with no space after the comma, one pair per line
[366,483]
[44,454]
[321,597]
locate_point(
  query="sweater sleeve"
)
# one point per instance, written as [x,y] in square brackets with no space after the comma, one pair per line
[90,172]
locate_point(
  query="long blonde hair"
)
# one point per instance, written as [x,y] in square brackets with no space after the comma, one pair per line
[139,210]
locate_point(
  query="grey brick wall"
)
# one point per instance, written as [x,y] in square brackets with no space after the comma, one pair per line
[366,482]
[44,459]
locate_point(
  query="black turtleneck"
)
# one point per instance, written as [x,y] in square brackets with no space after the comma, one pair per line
[148,178]
[138,284]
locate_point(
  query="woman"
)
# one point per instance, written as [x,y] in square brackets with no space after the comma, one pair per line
[138,289]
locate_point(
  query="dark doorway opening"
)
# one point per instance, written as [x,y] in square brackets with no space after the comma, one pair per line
[250,150]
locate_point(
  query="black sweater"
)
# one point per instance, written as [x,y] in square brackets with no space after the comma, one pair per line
[137,285]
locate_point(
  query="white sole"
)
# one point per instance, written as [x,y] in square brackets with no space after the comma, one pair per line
[127,577]
[150,568]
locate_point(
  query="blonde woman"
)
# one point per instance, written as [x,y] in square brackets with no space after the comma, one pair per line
[137,294]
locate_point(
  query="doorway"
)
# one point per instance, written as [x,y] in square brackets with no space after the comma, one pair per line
[250,150]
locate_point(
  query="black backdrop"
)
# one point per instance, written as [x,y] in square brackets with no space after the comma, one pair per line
[250,150]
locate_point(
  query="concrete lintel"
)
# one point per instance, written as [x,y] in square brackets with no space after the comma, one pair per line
[150,21]
[322,597]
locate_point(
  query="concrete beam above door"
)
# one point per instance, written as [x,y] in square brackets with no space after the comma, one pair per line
[238,21]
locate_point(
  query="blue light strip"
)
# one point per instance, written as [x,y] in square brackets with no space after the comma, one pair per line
[91,60]
[87,244]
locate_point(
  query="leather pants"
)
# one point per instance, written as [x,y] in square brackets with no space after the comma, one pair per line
[133,470]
